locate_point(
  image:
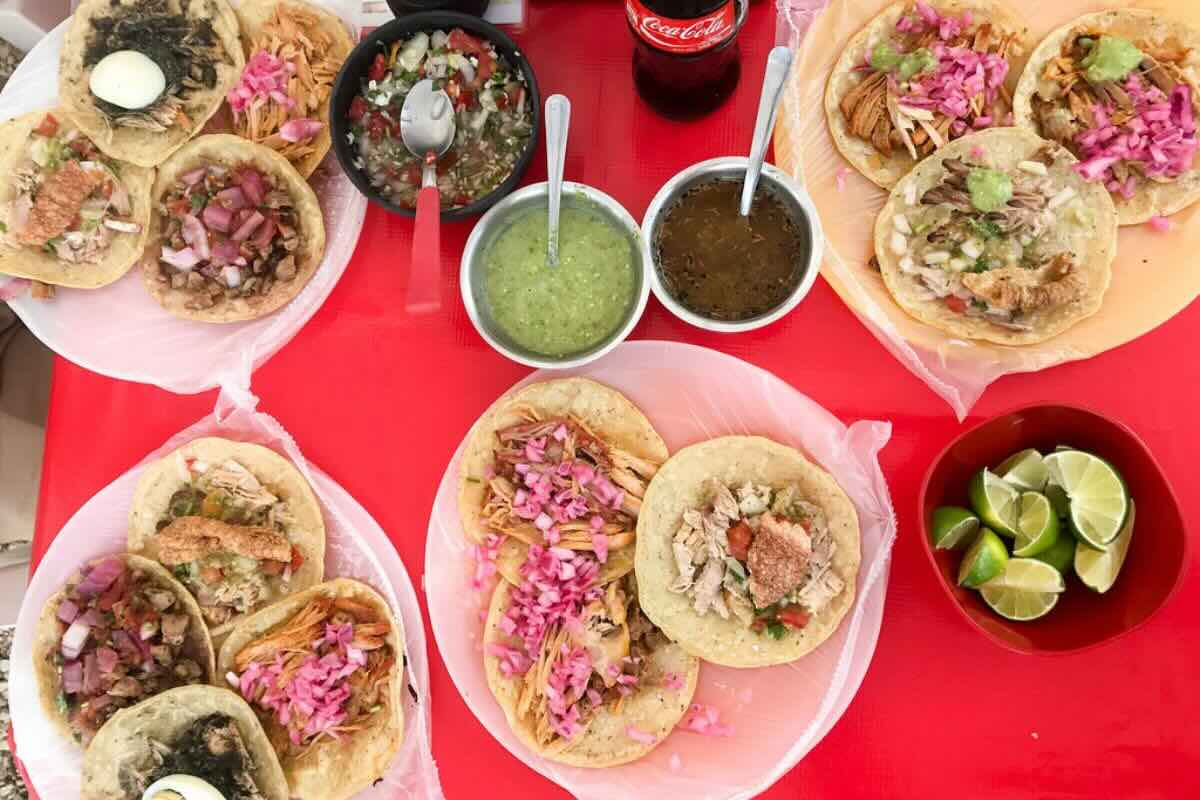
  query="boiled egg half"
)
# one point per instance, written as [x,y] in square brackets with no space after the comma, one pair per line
[128,79]
[182,787]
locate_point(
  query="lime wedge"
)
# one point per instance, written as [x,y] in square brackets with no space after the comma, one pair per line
[1037,527]
[1099,501]
[1098,569]
[1026,590]
[996,503]
[984,560]
[1061,555]
[1024,470]
[952,527]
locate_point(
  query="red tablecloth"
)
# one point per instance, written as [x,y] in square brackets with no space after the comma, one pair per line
[380,399]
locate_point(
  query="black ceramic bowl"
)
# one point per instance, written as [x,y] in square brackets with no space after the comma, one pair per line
[349,80]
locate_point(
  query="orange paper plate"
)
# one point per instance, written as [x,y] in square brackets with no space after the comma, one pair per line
[1155,275]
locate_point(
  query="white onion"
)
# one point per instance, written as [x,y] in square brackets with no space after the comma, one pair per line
[232,277]
[75,638]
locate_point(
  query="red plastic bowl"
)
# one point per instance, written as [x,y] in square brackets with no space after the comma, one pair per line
[1157,556]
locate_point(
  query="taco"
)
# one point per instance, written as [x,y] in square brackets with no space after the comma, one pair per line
[141,77]
[235,522]
[997,237]
[747,552]
[1119,89]
[193,741]
[562,463]
[585,679]
[122,630]
[236,232]
[324,670]
[69,215]
[920,75]
[293,53]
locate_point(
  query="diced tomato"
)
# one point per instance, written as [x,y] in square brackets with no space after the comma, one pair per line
[379,68]
[793,616]
[485,68]
[211,574]
[466,99]
[47,127]
[83,146]
[454,86]
[376,126]
[502,101]
[112,595]
[758,624]
[461,40]
[272,567]
[358,108]
[412,174]
[448,160]
[739,537]
[956,304]
[297,559]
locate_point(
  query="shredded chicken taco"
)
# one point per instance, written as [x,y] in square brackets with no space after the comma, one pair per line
[293,53]
[141,77]
[122,630]
[747,552]
[583,677]
[69,215]
[1120,90]
[235,232]
[324,670]
[235,522]
[920,75]
[997,237]
[188,742]
[563,463]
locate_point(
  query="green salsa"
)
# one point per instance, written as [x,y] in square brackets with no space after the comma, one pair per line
[885,57]
[565,309]
[990,189]
[918,60]
[1111,58]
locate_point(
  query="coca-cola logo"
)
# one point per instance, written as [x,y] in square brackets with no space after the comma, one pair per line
[681,35]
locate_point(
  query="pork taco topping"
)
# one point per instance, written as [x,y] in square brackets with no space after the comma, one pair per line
[122,639]
[492,115]
[934,78]
[225,536]
[322,674]
[211,750]
[995,244]
[229,233]
[70,200]
[1125,109]
[552,481]
[756,553]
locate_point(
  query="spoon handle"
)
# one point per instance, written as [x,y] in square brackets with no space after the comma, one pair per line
[779,62]
[558,122]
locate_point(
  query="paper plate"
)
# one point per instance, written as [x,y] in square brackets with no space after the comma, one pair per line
[356,548]
[778,713]
[1153,275]
[120,331]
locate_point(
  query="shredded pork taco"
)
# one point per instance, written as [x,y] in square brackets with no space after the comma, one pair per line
[141,77]
[920,75]
[189,741]
[583,677]
[747,552]
[235,232]
[235,522]
[324,670]
[122,630]
[1120,90]
[563,463]
[293,53]
[997,237]
[69,215]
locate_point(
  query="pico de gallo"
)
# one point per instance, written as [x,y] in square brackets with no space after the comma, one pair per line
[492,110]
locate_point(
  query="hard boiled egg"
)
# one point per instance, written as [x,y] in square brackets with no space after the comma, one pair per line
[128,79]
[182,787]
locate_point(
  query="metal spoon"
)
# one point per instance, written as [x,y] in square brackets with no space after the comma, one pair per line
[427,130]
[558,123]
[779,63]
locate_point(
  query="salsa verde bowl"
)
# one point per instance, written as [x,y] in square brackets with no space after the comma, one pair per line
[493,224]
[783,187]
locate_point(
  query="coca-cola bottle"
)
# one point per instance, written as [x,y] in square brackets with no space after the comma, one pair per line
[685,53]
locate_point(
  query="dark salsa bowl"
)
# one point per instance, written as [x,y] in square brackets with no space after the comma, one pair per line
[462,169]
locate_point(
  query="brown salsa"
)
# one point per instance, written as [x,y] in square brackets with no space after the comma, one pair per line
[722,265]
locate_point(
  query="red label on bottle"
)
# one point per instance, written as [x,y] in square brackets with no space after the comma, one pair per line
[683,36]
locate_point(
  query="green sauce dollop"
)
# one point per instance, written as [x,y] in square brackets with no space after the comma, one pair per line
[990,189]
[885,57]
[1111,58]
[919,60]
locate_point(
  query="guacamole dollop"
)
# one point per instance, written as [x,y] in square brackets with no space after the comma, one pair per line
[885,57]
[917,61]
[1111,58]
[990,189]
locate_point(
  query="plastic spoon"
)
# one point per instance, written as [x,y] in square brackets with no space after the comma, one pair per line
[779,63]
[558,123]
[427,129]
